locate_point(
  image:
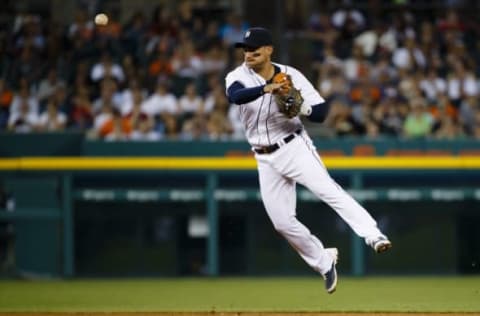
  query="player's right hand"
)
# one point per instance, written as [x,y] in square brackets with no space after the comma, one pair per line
[274,87]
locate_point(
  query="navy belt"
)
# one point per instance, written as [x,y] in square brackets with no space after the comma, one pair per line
[270,149]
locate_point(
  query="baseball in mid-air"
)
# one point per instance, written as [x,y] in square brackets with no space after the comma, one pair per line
[101,19]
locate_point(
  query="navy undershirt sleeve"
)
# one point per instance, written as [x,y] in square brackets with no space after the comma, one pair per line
[238,94]
[319,112]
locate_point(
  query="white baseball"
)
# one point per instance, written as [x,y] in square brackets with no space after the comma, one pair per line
[101,19]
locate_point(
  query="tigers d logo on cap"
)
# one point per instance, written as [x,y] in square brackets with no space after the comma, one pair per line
[256,37]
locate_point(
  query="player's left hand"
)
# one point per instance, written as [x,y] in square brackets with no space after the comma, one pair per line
[289,99]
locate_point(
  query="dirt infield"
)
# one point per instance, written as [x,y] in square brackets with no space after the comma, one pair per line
[237,314]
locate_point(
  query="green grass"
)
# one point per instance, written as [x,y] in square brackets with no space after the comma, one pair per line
[393,294]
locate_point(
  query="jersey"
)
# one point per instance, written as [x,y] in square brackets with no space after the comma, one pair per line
[264,125]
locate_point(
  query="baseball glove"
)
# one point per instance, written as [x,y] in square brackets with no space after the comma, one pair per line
[288,98]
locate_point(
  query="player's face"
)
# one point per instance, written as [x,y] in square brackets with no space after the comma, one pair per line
[255,57]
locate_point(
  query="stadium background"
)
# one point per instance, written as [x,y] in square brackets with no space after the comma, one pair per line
[96,222]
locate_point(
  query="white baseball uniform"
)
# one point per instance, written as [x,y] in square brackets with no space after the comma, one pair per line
[295,161]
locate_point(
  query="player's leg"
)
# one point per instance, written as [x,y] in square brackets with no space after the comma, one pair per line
[279,198]
[315,177]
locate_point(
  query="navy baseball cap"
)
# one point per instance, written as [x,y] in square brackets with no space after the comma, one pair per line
[256,37]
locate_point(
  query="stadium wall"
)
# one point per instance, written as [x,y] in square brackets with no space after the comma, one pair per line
[168,212]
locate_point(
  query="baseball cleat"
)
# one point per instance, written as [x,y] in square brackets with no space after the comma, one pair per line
[381,244]
[331,275]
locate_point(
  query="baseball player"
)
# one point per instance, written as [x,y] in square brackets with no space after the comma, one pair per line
[286,155]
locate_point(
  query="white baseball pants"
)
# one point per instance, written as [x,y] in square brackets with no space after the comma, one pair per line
[298,161]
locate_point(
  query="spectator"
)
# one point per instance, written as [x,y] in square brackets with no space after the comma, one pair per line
[443,107]
[163,23]
[160,66]
[82,27]
[80,76]
[218,126]
[403,25]
[48,85]
[369,40]
[365,89]
[30,34]
[212,83]
[190,103]
[357,66]
[216,100]
[27,66]
[349,22]
[467,112]
[372,130]
[348,17]
[452,23]
[432,86]
[162,101]
[61,97]
[235,123]
[385,75]
[24,97]
[131,69]
[116,128]
[388,118]
[409,57]
[108,96]
[448,129]
[215,60]
[322,34]
[133,109]
[331,63]
[418,123]
[143,129]
[185,62]
[163,106]
[211,37]
[106,68]
[52,120]
[185,15]
[233,30]
[195,128]
[170,127]
[109,122]
[461,84]
[362,112]
[23,120]
[82,110]
[457,54]
[160,44]
[340,120]
[134,36]
[409,86]
[133,95]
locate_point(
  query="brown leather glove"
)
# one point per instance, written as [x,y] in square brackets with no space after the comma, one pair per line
[289,99]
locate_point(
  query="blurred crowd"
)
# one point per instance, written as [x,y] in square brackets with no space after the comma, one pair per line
[406,75]
[162,76]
